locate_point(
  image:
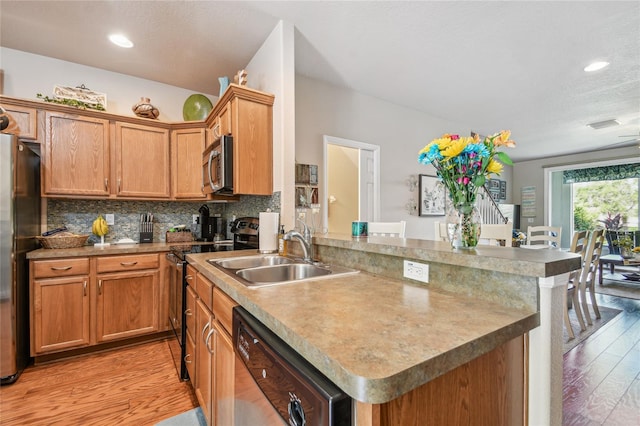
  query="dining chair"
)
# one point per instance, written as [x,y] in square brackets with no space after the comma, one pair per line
[550,235]
[578,245]
[441,231]
[493,233]
[387,229]
[586,282]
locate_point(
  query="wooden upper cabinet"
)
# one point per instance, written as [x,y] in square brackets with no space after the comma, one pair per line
[75,156]
[23,121]
[142,161]
[252,130]
[249,115]
[187,146]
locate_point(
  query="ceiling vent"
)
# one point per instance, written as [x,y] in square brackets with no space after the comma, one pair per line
[603,124]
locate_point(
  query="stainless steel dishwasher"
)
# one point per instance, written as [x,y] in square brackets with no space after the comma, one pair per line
[274,385]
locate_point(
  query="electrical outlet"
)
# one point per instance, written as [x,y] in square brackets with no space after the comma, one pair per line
[195,219]
[416,271]
[110,218]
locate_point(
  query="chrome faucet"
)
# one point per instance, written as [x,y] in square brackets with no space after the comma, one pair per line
[305,241]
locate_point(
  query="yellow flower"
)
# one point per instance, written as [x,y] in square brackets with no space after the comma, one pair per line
[494,167]
[454,148]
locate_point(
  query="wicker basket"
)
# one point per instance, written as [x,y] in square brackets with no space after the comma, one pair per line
[63,241]
[178,237]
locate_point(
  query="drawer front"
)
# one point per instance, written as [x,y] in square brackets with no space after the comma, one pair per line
[190,276]
[222,308]
[128,263]
[60,267]
[204,288]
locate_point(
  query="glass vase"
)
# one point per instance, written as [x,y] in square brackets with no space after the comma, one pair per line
[464,223]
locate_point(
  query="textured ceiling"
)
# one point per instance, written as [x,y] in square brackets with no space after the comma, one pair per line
[493,65]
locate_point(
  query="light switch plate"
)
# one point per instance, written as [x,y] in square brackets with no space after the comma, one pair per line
[195,218]
[110,218]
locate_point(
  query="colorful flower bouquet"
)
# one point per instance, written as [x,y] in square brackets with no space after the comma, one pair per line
[464,165]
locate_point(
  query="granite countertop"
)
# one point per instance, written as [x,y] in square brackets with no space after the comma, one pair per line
[114,249]
[375,337]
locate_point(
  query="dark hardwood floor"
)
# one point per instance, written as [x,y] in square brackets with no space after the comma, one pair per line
[137,385]
[601,384]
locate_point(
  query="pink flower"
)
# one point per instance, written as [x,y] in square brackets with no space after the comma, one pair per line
[455,137]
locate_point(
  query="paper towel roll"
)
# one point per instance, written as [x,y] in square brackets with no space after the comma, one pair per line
[269,232]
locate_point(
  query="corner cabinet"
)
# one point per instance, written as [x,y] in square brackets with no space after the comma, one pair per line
[248,115]
[75,158]
[187,146]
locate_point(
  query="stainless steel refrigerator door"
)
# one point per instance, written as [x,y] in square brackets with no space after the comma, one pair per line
[19,224]
[8,360]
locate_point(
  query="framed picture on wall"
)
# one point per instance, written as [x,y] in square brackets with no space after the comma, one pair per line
[432,196]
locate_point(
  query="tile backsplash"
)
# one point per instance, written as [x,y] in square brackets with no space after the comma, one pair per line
[78,215]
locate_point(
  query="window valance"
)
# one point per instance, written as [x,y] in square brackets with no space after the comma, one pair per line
[593,174]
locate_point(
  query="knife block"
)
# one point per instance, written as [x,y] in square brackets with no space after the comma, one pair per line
[146,232]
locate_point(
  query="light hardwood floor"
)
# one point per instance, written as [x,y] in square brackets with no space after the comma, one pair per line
[137,385]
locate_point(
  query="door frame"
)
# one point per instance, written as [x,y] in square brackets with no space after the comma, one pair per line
[375,149]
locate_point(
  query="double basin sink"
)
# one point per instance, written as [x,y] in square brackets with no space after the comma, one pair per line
[265,269]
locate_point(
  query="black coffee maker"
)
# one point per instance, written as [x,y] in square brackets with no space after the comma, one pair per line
[206,225]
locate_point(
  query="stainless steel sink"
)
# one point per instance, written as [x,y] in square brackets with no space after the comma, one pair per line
[266,270]
[252,261]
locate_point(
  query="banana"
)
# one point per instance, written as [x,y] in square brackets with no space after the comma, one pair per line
[100,227]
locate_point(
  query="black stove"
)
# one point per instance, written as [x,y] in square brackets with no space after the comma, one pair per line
[182,250]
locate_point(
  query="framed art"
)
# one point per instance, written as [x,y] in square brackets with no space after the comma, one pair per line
[431,197]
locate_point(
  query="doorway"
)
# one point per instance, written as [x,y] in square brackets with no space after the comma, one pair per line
[351,183]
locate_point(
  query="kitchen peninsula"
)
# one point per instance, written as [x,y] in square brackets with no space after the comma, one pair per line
[483,338]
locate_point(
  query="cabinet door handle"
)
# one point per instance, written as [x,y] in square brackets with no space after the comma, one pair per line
[99,286]
[61,268]
[216,131]
[84,288]
[106,184]
[188,312]
[206,341]
[118,185]
[204,329]
[188,277]
[186,359]
[128,263]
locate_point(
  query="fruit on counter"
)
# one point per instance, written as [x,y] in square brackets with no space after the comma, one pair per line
[100,227]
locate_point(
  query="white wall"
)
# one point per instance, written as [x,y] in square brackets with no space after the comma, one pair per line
[531,173]
[399,131]
[272,70]
[26,75]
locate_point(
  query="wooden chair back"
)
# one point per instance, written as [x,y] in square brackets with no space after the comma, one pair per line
[387,229]
[441,231]
[494,233]
[550,235]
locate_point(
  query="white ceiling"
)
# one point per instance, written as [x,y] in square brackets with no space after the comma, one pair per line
[494,65]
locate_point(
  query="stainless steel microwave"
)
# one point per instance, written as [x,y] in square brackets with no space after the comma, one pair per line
[217,167]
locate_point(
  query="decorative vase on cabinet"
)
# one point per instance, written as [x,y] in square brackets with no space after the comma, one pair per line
[144,109]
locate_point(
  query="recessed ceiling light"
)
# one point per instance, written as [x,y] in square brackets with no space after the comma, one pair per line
[120,40]
[595,66]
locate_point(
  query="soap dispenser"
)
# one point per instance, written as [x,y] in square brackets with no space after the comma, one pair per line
[282,243]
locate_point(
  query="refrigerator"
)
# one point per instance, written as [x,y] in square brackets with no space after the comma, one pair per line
[19,224]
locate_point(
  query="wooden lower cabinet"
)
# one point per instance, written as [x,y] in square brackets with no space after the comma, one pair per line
[82,301]
[60,314]
[127,304]
[489,390]
[205,345]
[224,366]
